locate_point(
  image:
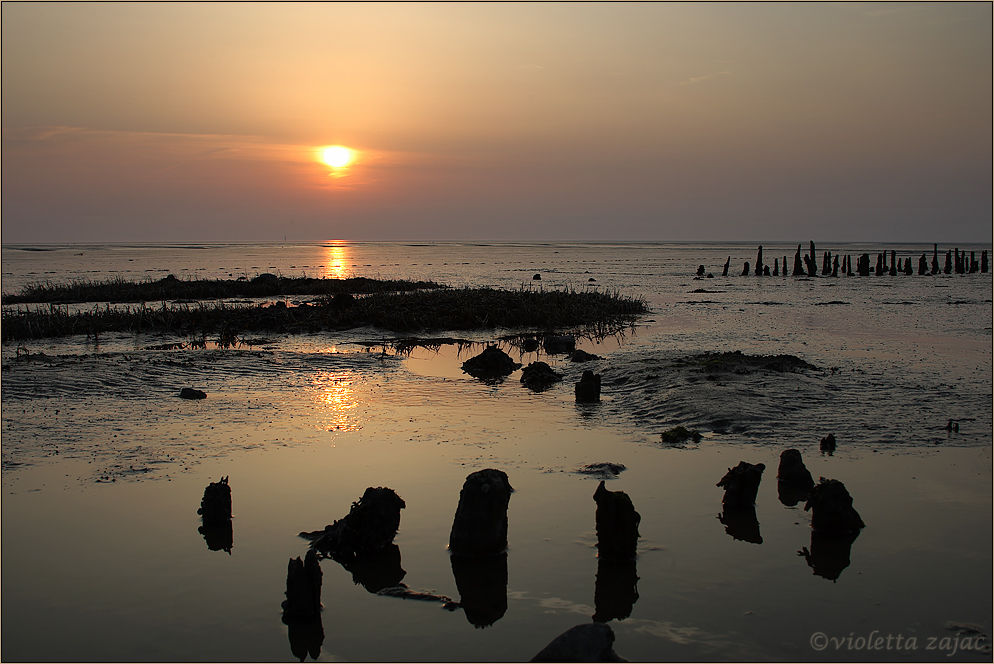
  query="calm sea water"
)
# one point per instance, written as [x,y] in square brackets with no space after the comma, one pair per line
[104,463]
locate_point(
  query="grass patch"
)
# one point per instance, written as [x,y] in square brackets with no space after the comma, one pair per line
[416,311]
[171,288]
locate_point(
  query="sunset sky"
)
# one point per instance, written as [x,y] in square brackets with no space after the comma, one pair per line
[189,122]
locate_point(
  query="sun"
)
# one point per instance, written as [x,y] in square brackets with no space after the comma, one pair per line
[336,156]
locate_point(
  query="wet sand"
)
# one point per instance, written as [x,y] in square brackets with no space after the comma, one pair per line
[116,569]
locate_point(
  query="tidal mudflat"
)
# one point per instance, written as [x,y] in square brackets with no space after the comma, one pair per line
[105,467]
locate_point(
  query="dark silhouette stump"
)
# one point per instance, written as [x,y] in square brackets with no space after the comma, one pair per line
[741,484]
[480,524]
[794,481]
[588,390]
[617,524]
[215,506]
[370,525]
[303,588]
[831,508]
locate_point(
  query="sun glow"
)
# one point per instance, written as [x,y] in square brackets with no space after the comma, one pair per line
[336,156]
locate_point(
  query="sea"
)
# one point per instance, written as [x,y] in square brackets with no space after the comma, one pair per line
[104,466]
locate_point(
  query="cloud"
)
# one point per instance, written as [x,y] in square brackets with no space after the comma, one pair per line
[698,79]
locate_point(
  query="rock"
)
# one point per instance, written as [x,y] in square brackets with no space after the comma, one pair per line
[215,506]
[491,364]
[617,524]
[828,443]
[741,484]
[602,470]
[537,277]
[303,587]
[539,376]
[557,345]
[582,356]
[190,393]
[588,390]
[831,508]
[370,525]
[591,642]
[480,524]
[529,345]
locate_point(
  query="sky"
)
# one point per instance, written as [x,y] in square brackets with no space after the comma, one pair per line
[203,122]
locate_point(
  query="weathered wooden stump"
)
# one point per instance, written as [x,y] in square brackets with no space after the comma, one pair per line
[794,481]
[745,269]
[776,267]
[812,264]
[741,484]
[370,525]
[984,265]
[588,390]
[863,265]
[480,524]
[617,524]
[922,265]
[948,268]
[700,270]
[759,261]
[835,266]
[724,272]
[831,508]
[828,443]
[798,266]
[215,506]
[303,588]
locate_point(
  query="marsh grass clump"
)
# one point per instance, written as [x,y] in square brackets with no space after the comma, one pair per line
[740,363]
[171,288]
[679,435]
[398,311]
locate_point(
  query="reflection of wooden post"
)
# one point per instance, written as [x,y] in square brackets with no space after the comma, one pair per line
[617,524]
[480,524]
[615,590]
[482,586]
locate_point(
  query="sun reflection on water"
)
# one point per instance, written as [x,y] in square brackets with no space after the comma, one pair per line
[336,260]
[338,401]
